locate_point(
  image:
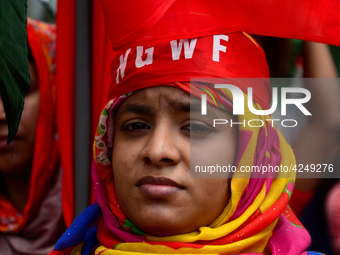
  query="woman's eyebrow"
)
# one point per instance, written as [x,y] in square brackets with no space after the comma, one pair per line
[193,107]
[178,106]
[172,107]
[212,112]
[135,108]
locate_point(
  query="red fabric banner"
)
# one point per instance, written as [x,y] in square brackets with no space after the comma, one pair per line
[102,55]
[132,23]
[65,80]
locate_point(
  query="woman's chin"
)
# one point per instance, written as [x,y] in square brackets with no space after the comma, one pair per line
[163,230]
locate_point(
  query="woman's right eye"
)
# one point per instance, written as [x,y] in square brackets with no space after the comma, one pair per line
[135,126]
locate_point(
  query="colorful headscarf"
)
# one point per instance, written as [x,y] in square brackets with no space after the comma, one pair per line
[256,219]
[35,229]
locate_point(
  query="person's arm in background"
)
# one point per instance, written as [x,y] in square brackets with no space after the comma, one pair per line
[332,207]
[314,145]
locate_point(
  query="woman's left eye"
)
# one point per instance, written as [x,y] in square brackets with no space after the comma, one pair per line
[198,130]
[136,126]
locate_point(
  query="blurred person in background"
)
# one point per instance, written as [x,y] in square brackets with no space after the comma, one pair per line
[316,140]
[316,143]
[333,208]
[30,175]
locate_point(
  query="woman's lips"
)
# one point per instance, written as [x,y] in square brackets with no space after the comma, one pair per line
[158,187]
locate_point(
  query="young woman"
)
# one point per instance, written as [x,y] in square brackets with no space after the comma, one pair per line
[148,141]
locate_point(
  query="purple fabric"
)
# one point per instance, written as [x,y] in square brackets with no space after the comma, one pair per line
[110,220]
[285,237]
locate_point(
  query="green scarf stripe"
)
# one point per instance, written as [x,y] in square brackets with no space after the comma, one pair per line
[206,91]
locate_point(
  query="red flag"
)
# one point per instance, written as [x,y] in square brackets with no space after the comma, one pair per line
[132,23]
[102,55]
[65,80]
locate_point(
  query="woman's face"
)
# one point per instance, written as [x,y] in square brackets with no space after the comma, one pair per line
[17,161]
[151,162]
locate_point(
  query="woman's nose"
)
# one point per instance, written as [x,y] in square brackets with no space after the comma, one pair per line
[162,147]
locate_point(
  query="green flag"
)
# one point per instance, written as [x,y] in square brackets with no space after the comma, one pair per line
[14,70]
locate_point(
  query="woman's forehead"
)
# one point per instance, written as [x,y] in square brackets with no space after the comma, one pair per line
[170,98]
[166,99]
[160,93]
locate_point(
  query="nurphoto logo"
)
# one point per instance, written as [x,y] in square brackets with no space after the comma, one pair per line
[239,102]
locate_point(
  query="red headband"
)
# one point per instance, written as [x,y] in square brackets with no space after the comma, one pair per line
[234,55]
